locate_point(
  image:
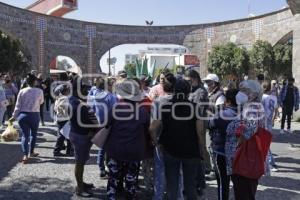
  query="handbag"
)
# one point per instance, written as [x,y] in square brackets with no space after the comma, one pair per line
[101,136]
[250,158]
[10,134]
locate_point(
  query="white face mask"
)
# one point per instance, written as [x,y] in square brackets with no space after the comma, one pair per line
[241,98]
[206,86]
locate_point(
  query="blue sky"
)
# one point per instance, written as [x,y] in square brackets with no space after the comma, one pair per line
[162,12]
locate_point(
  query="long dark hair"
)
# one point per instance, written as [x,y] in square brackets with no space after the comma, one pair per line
[193,74]
[30,80]
[182,90]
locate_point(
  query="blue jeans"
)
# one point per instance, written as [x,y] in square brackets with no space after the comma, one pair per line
[172,170]
[101,159]
[2,112]
[29,124]
[160,178]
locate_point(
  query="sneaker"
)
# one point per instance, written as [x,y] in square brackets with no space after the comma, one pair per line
[289,131]
[274,169]
[88,186]
[282,131]
[58,154]
[211,177]
[83,192]
[103,173]
[70,154]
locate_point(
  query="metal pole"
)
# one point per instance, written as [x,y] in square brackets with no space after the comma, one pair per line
[109,69]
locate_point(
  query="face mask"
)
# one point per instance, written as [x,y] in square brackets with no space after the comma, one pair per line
[206,86]
[241,98]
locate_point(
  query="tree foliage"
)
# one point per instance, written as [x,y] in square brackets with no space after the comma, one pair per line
[13,58]
[130,69]
[63,64]
[283,57]
[228,59]
[262,57]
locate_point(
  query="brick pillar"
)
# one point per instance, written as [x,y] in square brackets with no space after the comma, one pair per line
[41,28]
[90,34]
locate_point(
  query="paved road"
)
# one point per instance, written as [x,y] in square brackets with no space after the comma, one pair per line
[52,178]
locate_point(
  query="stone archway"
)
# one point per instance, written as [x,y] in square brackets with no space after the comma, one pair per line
[47,36]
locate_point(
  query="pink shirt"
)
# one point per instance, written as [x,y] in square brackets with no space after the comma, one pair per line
[29,100]
[156,92]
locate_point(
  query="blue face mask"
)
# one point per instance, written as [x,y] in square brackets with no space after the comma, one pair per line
[241,98]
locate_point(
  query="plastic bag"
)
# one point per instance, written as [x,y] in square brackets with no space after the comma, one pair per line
[65,131]
[10,134]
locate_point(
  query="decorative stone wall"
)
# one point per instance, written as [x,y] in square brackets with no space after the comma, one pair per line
[47,37]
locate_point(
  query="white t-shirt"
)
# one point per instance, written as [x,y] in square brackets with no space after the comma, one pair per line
[221,100]
[270,104]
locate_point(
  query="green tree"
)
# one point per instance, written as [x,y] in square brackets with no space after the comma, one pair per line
[283,59]
[262,58]
[12,56]
[228,59]
[63,64]
[130,69]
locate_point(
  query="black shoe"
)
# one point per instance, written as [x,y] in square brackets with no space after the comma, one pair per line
[58,154]
[103,174]
[88,186]
[82,192]
[70,154]
[200,192]
[211,177]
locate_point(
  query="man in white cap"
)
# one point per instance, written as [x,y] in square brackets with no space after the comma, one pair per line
[217,100]
[215,94]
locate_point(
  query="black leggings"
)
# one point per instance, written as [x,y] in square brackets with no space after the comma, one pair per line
[222,178]
[244,188]
[287,112]
[42,113]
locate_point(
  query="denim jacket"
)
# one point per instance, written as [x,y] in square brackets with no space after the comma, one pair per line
[283,93]
[218,128]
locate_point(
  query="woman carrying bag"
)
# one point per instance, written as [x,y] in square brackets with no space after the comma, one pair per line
[241,132]
[27,112]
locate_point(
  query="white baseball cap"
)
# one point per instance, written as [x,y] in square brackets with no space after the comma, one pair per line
[212,77]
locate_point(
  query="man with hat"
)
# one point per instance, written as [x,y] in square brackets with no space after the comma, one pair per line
[122,74]
[216,101]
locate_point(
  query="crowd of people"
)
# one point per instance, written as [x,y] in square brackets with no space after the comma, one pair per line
[157,129]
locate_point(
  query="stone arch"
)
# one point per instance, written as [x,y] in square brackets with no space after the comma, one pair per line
[285,39]
[79,59]
[46,35]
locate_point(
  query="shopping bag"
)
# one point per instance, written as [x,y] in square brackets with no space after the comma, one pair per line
[10,134]
[101,136]
[251,155]
[65,131]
